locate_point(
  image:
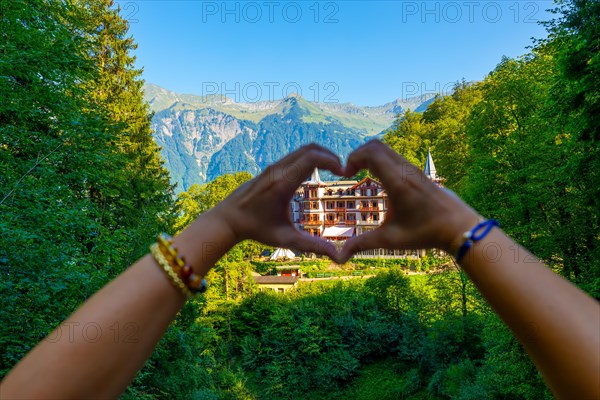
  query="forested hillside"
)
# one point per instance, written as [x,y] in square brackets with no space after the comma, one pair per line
[203,137]
[83,192]
[82,186]
[522,146]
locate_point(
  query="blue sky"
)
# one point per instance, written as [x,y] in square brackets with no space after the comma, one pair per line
[364,52]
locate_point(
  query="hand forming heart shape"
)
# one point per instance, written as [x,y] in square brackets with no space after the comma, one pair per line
[420,214]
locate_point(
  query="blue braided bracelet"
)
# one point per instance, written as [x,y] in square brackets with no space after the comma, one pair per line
[475,235]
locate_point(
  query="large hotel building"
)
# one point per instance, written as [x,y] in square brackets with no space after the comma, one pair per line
[338,210]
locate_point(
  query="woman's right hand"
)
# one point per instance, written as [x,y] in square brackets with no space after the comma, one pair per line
[420,215]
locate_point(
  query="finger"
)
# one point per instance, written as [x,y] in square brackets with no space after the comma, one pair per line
[384,162]
[323,159]
[371,240]
[295,173]
[360,157]
[300,241]
[296,167]
[291,158]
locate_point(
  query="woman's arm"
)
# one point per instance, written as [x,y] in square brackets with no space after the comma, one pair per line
[98,350]
[556,322]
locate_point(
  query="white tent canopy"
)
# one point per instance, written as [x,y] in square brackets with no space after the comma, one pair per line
[282,253]
[338,231]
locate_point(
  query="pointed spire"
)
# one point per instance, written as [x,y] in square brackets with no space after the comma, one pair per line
[429,169]
[315,178]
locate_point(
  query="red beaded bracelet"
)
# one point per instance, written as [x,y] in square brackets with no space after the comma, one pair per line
[194,282]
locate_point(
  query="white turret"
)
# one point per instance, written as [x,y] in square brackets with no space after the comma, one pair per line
[429,169]
[315,179]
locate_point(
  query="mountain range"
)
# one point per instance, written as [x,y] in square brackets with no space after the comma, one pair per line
[203,137]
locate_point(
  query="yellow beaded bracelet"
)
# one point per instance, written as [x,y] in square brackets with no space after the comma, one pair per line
[195,283]
[172,275]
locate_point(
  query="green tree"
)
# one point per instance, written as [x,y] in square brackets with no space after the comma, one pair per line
[200,198]
[512,148]
[441,128]
[574,106]
[447,118]
[55,147]
[410,136]
[71,219]
[144,203]
[505,370]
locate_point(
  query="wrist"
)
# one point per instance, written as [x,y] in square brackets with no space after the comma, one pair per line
[460,223]
[477,233]
[205,241]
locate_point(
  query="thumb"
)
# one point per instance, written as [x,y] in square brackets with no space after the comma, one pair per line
[301,241]
[371,240]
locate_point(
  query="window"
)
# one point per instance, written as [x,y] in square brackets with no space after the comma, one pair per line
[374,204]
[375,217]
[340,204]
[350,204]
[364,217]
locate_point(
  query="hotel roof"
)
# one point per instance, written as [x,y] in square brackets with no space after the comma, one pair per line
[265,280]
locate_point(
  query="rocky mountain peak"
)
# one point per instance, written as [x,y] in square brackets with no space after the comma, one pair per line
[203,137]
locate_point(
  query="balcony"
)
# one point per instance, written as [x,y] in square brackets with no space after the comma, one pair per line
[369,209]
[369,222]
[335,208]
[340,222]
[310,222]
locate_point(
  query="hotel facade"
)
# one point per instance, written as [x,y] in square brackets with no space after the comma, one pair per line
[339,210]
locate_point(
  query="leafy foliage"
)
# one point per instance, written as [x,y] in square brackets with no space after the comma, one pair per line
[522,145]
[82,189]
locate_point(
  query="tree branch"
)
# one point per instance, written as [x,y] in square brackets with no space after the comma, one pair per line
[38,162]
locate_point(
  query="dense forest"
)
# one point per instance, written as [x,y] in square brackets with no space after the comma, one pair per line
[83,192]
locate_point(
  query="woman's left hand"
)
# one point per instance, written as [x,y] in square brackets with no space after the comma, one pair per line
[260,208]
